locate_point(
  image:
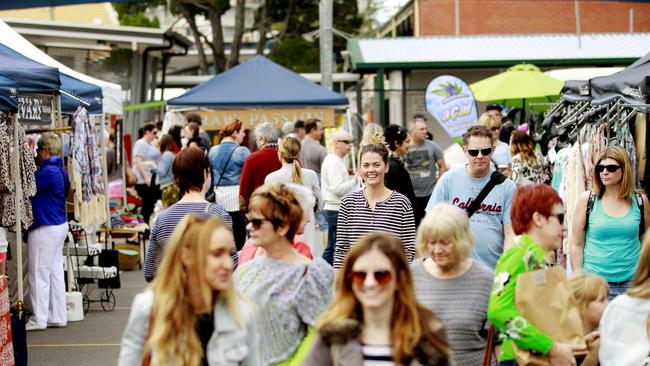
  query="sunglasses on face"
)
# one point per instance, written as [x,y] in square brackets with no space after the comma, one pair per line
[612,168]
[258,221]
[382,277]
[560,217]
[347,142]
[484,152]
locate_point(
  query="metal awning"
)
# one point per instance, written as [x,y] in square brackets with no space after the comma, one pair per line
[607,49]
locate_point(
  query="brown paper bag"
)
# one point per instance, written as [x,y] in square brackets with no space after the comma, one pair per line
[544,298]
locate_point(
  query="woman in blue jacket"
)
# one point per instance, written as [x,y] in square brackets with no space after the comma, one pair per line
[46,237]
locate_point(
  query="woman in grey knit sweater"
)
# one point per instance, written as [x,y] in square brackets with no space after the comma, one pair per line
[452,284]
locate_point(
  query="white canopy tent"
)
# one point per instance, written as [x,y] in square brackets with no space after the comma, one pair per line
[112,93]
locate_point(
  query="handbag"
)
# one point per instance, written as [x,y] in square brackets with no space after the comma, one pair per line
[544,299]
[210,196]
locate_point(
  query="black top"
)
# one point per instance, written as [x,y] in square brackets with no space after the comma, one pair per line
[205,328]
[398,179]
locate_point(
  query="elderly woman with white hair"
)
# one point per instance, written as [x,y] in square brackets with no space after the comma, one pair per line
[449,282]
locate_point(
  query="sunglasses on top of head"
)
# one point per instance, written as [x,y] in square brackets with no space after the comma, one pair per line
[382,277]
[484,152]
[612,168]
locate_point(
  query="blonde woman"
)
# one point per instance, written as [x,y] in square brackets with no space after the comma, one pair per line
[452,284]
[608,243]
[191,315]
[625,326]
[591,293]
[292,173]
[375,318]
[501,156]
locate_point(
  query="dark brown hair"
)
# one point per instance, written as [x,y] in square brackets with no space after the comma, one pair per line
[380,149]
[194,117]
[166,143]
[194,127]
[233,126]
[311,124]
[189,169]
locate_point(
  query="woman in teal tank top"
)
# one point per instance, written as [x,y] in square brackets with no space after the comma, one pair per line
[608,244]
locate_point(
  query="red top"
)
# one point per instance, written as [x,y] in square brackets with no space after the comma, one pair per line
[256,167]
[249,251]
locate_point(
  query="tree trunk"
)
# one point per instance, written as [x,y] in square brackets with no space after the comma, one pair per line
[218,48]
[262,28]
[240,13]
[203,61]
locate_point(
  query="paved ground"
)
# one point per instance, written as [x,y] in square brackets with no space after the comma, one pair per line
[95,340]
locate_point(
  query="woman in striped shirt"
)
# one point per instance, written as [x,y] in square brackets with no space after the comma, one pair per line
[374,208]
[375,319]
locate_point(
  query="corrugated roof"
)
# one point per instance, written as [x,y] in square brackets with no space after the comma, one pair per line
[498,50]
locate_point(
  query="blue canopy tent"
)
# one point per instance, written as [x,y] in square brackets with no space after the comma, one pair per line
[23,4]
[31,74]
[259,82]
[8,94]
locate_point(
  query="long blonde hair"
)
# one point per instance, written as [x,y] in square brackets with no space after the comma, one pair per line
[173,337]
[289,151]
[410,321]
[641,283]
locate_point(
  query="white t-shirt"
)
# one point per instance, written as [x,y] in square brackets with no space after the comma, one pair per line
[624,337]
[502,153]
[148,153]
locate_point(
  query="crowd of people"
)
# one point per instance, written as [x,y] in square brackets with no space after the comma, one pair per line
[421,265]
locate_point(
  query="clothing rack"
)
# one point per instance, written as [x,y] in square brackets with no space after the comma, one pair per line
[56,129]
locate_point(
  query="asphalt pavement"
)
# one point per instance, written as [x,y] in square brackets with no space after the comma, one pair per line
[94,341]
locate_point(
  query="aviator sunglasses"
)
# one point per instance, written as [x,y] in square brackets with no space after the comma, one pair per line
[382,277]
[484,152]
[612,168]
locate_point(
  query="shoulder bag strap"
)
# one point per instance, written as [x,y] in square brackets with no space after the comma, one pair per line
[208,208]
[639,202]
[495,179]
[590,207]
[226,165]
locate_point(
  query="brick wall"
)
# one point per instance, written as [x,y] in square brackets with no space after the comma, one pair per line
[437,17]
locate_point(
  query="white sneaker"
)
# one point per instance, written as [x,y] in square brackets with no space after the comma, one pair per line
[57,325]
[31,326]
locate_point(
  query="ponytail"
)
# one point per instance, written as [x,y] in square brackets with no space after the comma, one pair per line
[296,176]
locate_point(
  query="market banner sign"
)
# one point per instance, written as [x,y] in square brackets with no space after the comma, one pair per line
[35,108]
[216,120]
[450,100]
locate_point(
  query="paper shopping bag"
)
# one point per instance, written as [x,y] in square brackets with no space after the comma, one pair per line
[544,298]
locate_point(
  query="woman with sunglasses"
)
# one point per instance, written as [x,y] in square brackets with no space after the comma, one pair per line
[397,178]
[375,317]
[374,208]
[538,218]
[191,315]
[445,243]
[608,244]
[290,291]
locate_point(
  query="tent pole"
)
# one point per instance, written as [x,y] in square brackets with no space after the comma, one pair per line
[353,155]
[18,209]
[102,146]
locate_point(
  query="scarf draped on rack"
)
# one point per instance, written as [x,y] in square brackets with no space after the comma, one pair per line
[27,169]
[90,200]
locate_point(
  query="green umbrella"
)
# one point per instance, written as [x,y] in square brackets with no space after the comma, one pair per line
[518,86]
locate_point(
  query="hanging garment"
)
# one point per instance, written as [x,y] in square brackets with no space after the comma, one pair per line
[88,183]
[27,169]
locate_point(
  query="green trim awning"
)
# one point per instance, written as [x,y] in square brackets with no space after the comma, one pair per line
[546,50]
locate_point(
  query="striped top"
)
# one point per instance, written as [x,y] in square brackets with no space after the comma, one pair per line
[356,218]
[166,223]
[377,355]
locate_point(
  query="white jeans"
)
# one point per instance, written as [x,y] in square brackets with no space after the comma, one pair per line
[45,264]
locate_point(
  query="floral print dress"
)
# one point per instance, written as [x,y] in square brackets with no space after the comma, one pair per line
[525,256]
[525,172]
